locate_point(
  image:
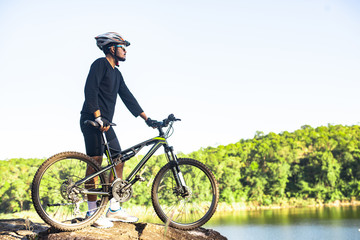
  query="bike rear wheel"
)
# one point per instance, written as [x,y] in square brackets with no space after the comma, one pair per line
[185,212]
[55,198]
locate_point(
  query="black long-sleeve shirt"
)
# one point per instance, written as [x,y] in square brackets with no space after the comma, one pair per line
[102,86]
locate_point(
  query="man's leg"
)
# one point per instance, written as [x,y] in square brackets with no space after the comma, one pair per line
[115,212]
[115,205]
[119,171]
[91,183]
[93,144]
[94,149]
[101,222]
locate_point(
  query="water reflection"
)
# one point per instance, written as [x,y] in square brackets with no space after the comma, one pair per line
[327,215]
[293,223]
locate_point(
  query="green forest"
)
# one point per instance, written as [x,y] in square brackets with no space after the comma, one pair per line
[309,165]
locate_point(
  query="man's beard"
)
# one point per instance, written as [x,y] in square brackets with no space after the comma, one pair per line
[120,59]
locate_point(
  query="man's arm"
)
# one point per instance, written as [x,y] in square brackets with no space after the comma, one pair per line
[143,116]
[129,100]
[97,113]
[92,85]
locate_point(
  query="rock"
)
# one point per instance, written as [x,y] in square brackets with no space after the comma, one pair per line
[25,229]
[20,229]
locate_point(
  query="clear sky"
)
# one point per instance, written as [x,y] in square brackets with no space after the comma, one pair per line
[226,68]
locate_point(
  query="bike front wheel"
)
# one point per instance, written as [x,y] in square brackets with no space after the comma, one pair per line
[57,198]
[190,210]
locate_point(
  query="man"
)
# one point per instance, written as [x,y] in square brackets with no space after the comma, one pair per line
[103,84]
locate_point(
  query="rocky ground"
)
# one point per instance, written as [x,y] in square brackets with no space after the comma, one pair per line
[25,229]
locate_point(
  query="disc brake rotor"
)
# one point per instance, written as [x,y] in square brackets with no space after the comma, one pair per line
[68,192]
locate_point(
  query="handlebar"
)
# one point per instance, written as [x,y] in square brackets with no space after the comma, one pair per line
[95,124]
[159,124]
[165,122]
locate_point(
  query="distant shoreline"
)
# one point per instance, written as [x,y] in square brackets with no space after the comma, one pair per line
[251,206]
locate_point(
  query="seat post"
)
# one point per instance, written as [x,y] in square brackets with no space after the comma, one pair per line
[108,155]
[103,135]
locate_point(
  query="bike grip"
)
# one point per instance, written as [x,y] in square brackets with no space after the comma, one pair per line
[171,117]
[92,123]
[95,124]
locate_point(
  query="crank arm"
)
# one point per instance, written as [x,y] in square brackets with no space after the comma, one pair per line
[63,204]
[59,204]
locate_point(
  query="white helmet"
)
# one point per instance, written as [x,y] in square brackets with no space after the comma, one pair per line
[110,37]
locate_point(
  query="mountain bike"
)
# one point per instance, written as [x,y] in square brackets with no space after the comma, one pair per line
[184,192]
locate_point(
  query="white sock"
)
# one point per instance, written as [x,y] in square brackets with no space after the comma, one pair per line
[92,207]
[114,205]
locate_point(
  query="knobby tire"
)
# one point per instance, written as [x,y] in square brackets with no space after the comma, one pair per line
[190,212]
[41,195]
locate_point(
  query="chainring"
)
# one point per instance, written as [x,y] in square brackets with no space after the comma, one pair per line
[121,195]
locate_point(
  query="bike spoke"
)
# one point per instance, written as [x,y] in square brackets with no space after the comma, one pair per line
[170,210]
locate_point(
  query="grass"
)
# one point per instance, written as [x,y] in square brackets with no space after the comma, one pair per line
[32,215]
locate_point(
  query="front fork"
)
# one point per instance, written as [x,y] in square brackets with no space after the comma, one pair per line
[182,189]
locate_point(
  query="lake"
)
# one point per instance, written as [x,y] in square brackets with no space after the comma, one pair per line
[338,223]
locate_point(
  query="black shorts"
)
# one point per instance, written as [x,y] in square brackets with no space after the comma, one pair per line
[93,141]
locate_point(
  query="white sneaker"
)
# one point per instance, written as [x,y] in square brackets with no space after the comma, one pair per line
[101,222]
[120,215]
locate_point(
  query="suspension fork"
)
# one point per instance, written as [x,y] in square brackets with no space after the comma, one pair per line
[179,179]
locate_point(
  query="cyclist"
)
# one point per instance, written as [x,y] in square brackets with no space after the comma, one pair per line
[104,82]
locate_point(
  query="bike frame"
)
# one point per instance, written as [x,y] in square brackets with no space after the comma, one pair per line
[125,155]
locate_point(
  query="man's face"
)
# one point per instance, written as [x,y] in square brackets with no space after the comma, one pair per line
[121,52]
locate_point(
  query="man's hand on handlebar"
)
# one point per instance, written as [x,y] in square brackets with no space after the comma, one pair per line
[151,123]
[164,123]
[104,123]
